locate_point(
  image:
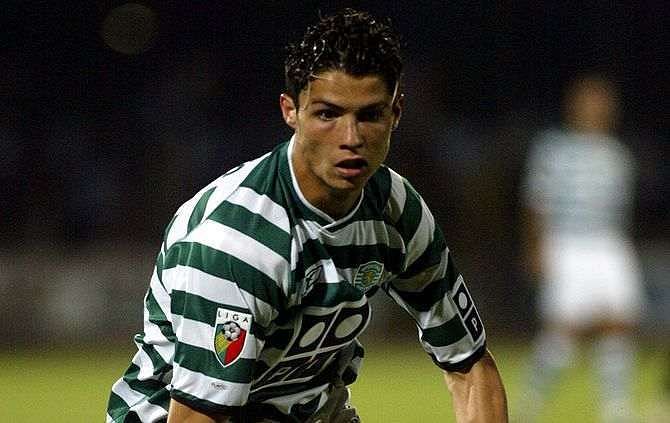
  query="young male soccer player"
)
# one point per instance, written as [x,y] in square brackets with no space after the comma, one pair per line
[262,283]
[579,192]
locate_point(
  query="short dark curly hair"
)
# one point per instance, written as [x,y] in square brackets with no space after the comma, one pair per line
[352,41]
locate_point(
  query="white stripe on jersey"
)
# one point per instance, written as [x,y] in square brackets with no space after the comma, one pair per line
[215,390]
[359,232]
[440,313]
[201,335]
[420,281]
[423,236]
[243,247]
[146,366]
[221,291]
[224,186]
[154,336]
[261,205]
[161,296]
[396,201]
[179,226]
[194,333]
[228,183]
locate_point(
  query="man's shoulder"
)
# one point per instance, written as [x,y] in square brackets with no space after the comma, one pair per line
[394,190]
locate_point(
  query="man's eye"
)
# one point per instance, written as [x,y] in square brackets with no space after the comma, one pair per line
[326,114]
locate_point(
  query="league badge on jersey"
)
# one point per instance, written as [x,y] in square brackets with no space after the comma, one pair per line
[368,274]
[230,335]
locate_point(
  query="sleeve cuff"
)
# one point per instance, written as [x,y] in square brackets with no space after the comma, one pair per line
[462,366]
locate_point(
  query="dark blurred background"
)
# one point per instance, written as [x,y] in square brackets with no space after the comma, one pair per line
[113,113]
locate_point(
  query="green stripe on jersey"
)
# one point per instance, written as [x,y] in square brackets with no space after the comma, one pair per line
[223,265]
[312,252]
[194,307]
[148,387]
[410,218]
[376,195]
[202,310]
[157,317]
[160,366]
[198,360]
[259,180]
[377,192]
[431,256]
[254,226]
[116,407]
[445,334]
[352,256]
[199,210]
[159,267]
[423,301]
[347,257]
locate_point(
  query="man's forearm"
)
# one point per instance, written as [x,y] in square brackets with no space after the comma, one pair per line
[478,395]
[181,413]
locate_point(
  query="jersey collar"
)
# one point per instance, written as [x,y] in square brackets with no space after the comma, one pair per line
[325,220]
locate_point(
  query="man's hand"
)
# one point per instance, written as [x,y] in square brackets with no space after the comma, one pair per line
[478,394]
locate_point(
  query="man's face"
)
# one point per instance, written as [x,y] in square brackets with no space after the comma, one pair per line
[342,133]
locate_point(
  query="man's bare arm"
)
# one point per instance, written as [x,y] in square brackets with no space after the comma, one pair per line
[181,413]
[478,394]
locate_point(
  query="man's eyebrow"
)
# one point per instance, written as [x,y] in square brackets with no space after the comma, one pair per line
[377,105]
[326,103]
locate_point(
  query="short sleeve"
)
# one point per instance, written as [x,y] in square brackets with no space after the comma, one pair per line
[221,300]
[435,295]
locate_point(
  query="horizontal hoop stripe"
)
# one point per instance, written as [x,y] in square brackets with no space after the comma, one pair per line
[254,226]
[261,205]
[241,246]
[220,264]
[445,334]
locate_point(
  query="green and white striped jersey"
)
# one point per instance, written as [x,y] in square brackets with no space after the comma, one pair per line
[257,297]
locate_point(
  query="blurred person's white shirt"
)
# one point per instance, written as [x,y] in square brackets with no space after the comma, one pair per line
[581,185]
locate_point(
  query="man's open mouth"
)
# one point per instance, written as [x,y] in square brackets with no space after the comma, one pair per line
[352,163]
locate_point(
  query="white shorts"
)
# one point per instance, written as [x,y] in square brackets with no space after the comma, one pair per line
[591,279]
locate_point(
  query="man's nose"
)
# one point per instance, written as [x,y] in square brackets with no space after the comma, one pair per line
[351,136]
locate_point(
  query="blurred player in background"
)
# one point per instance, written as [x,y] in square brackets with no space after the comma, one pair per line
[579,193]
[262,283]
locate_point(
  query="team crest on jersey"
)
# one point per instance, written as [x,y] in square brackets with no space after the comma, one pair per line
[230,335]
[368,274]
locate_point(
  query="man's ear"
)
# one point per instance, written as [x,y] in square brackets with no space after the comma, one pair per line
[288,110]
[397,110]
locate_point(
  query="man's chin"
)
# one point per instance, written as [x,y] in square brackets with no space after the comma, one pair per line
[351,184]
[347,187]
